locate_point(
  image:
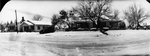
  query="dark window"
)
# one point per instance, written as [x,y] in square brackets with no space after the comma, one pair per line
[32,27]
[38,27]
[43,27]
[26,28]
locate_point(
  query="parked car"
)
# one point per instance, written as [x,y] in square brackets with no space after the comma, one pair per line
[49,29]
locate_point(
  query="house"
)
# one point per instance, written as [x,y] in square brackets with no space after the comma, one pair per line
[27,26]
[33,26]
[12,27]
[83,23]
[89,25]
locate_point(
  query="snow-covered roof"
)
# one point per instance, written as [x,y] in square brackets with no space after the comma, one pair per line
[105,17]
[40,22]
[146,22]
[28,23]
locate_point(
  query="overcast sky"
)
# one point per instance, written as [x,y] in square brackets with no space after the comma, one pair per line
[48,8]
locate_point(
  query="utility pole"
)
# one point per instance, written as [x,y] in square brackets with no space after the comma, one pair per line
[16,21]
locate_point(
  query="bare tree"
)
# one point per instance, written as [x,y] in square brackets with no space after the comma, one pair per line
[93,10]
[60,19]
[135,15]
[37,17]
[115,15]
[63,14]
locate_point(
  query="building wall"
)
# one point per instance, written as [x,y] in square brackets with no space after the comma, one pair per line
[38,28]
[22,27]
[32,28]
[11,28]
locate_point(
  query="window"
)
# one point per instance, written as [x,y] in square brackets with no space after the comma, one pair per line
[38,27]
[32,27]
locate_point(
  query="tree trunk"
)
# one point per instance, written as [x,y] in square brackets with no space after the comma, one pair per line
[94,23]
[138,25]
[69,25]
[96,26]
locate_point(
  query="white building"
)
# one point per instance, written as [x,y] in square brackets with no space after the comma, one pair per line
[33,26]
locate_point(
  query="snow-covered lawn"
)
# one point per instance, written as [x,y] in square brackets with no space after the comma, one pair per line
[75,43]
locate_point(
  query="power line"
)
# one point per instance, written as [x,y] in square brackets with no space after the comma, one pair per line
[28,13]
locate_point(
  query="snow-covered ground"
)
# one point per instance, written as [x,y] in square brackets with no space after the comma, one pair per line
[76,43]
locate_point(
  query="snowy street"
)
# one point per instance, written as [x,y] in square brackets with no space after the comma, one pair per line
[76,43]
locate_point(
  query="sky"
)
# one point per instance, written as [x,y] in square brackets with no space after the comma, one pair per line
[27,9]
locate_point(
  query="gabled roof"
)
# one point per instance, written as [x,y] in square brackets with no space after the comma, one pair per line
[28,23]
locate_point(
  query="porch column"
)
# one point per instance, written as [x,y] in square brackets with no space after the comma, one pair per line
[23,28]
